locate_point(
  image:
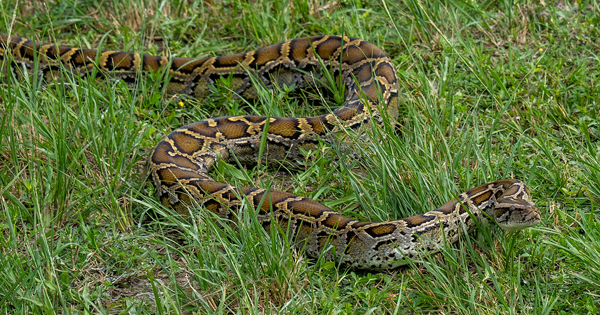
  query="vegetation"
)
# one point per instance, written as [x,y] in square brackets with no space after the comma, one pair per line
[489,90]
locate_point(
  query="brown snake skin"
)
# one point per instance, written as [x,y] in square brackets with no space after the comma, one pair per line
[181,162]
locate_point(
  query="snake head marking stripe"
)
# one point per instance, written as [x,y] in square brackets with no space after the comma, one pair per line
[514,214]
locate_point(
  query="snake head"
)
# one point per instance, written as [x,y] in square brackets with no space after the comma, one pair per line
[514,214]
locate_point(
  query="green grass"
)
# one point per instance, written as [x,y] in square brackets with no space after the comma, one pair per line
[489,90]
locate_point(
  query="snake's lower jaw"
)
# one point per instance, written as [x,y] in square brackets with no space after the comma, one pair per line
[521,220]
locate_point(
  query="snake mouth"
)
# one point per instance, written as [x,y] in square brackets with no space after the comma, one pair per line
[518,221]
[516,211]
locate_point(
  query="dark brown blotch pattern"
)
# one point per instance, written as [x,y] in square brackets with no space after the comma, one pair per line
[207,140]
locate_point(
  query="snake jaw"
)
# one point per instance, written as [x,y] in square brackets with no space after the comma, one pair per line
[516,214]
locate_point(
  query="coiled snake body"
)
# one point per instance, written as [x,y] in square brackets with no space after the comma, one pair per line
[180,163]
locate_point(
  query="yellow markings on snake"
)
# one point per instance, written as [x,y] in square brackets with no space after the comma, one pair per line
[180,163]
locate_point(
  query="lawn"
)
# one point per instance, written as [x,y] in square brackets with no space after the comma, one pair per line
[488,90]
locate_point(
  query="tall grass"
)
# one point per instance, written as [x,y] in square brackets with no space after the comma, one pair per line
[488,90]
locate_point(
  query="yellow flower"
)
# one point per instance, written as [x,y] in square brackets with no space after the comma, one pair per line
[181,103]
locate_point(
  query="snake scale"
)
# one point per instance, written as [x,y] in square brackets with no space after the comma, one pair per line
[181,162]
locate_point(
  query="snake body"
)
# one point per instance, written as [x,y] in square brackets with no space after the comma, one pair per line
[181,162]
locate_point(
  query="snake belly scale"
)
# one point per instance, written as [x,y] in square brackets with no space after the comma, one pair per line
[180,163]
